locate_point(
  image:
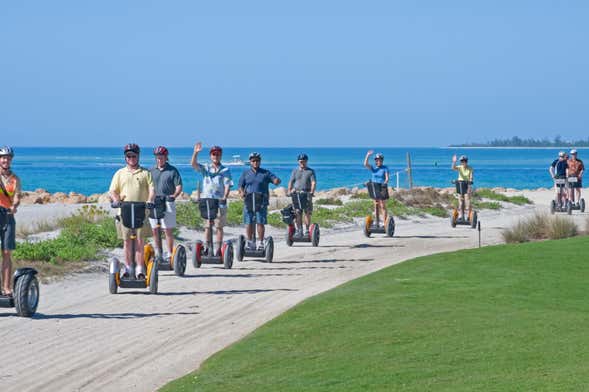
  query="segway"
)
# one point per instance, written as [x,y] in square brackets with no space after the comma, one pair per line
[177,260]
[133,217]
[561,184]
[573,204]
[300,202]
[25,296]
[378,191]
[472,218]
[253,202]
[201,254]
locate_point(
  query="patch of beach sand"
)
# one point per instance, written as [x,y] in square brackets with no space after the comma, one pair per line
[86,339]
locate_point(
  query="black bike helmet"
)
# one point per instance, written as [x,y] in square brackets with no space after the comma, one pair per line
[302,157]
[132,147]
[379,156]
[5,150]
[255,155]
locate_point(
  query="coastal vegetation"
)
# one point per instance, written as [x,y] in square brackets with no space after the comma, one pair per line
[82,236]
[501,318]
[540,227]
[516,141]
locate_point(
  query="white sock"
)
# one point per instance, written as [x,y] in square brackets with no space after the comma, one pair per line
[138,270]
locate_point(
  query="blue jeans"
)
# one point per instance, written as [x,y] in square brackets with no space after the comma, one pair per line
[261,216]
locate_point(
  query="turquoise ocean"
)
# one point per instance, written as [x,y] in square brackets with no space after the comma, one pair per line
[89,170]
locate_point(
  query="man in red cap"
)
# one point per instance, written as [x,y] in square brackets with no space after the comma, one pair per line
[216,184]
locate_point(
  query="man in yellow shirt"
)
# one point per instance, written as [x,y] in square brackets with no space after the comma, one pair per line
[464,184]
[133,183]
[9,201]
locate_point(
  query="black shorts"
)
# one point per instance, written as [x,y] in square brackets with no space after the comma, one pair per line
[462,187]
[8,233]
[578,184]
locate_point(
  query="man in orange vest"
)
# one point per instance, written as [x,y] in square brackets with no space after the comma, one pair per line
[9,201]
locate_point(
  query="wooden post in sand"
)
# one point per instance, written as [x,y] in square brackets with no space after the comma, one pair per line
[409,172]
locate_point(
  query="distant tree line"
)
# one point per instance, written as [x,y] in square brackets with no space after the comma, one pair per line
[519,142]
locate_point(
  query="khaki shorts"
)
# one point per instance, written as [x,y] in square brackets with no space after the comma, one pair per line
[124,233]
[221,219]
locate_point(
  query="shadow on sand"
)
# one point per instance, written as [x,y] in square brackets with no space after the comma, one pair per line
[42,316]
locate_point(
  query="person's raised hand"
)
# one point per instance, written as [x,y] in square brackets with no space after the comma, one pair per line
[197,147]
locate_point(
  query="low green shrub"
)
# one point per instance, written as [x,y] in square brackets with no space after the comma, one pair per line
[332,201]
[491,195]
[82,235]
[486,205]
[438,211]
[188,215]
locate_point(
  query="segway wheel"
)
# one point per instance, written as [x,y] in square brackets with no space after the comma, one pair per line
[473,220]
[179,260]
[26,295]
[113,287]
[227,253]
[390,226]
[315,234]
[240,248]
[367,225]
[569,208]
[582,205]
[289,234]
[269,250]
[153,277]
[552,207]
[197,254]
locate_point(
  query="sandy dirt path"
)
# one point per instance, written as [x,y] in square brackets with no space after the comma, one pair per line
[84,339]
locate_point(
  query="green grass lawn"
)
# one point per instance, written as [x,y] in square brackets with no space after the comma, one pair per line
[503,318]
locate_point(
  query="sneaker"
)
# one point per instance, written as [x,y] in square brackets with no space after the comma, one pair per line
[140,274]
[218,254]
[250,245]
[261,245]
[299,233]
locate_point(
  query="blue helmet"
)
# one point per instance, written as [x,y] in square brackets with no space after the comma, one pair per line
[302,157]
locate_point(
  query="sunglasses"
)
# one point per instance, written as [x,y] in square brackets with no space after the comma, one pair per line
[130,156]
[216,154]
[254,160]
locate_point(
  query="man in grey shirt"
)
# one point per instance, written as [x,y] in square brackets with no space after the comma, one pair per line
[168,186]
[303,179]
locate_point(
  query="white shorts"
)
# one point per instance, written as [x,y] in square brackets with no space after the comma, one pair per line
[169,221]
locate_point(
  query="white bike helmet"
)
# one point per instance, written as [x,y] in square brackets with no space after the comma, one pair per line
[5,150]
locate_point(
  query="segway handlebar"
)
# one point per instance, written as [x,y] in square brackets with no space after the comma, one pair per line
[119,204]
[459,181]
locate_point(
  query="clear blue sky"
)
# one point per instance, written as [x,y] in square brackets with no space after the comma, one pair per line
[301,73]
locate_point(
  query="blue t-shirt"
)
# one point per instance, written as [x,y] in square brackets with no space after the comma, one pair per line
[560,168]
[256,181]
[378,173]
